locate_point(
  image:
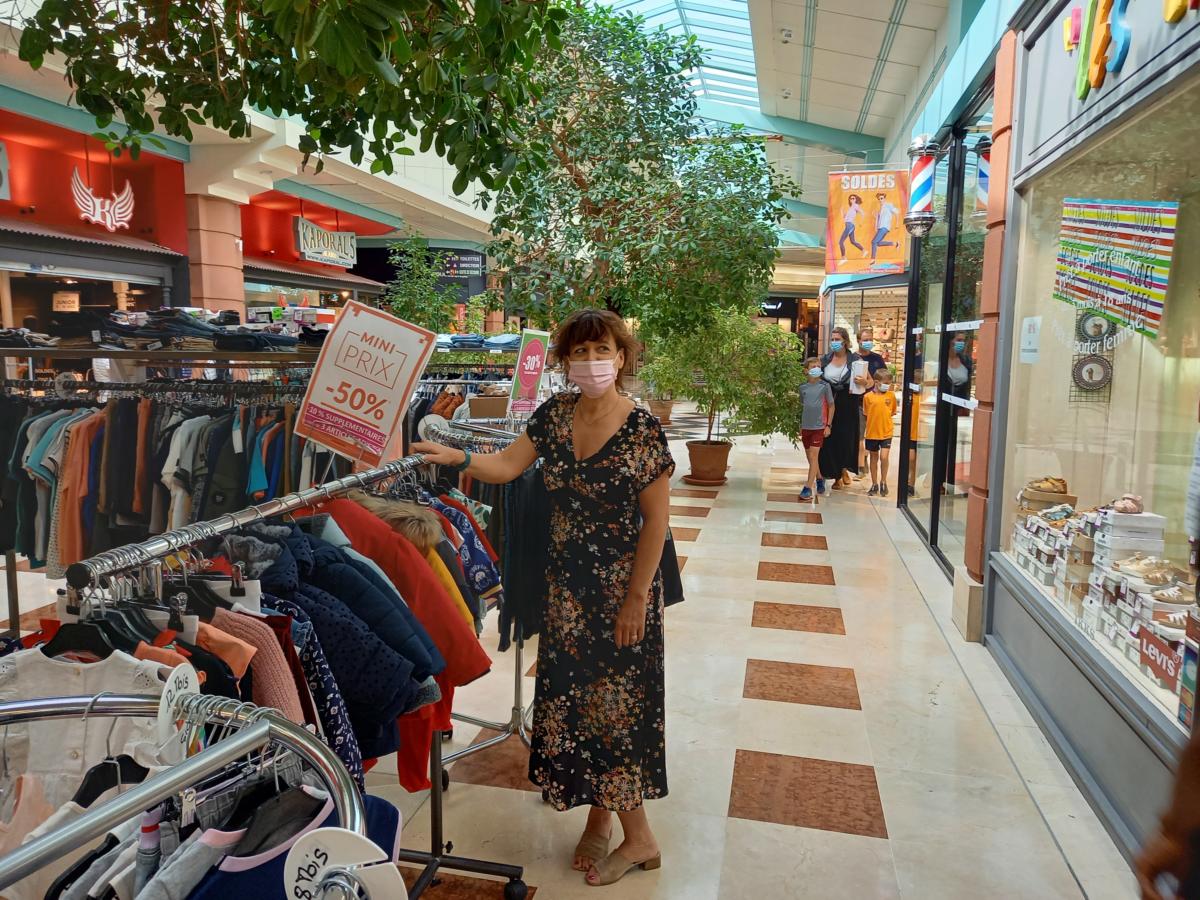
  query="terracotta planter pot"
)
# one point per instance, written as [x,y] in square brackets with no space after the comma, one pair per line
[710,462]
[661,409]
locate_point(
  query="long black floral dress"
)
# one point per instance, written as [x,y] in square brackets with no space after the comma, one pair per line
[598,728]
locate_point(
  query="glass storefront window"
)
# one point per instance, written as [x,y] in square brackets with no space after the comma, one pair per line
[1103,397]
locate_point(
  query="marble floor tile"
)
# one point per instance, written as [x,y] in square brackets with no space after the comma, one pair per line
[795,541]
[695,512]
[448,886]
[695,493]
[685,534]
[795,572]
[764,861]
[808,518]
[504,765]
[796,617]
[802,730]
[799,683]
[808,793]
[783,497]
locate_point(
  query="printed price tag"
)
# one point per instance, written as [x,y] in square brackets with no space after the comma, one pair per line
[95,337]
[359,391]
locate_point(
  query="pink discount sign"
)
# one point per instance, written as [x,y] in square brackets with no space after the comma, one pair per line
[531,363]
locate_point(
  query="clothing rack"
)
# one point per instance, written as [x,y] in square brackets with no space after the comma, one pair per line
[86,574]
[517,724]
[257,728]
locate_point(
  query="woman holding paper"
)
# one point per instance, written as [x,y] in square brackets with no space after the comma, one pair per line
[839,453]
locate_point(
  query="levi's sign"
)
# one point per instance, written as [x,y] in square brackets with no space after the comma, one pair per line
[334,248]
[1159,658]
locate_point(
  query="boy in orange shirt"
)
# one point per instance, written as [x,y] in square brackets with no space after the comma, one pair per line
[879,405]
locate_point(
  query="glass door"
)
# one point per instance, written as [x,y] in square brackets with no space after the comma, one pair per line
[945,319]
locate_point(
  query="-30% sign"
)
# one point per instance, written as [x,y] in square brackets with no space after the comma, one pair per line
[359,400]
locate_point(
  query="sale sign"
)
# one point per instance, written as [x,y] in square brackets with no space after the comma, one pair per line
[360,389]
[531,363]
[864,228]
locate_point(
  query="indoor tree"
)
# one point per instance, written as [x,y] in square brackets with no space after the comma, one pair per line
[416,292]
[364,75]
[620,197]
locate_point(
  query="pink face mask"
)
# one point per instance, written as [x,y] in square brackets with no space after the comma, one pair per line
[594,376]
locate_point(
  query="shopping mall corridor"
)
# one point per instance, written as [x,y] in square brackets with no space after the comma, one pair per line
[830,734]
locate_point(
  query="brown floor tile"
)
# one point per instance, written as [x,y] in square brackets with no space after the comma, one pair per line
[685,534]
[505,765]
[682,562]
[30,620]
[448,886]
[780,497]
[700,512]
[799,683]
[694,492]
[795,541]
[22,565]
[806,793]
[796,617]
[795,573]
[778,515]
[532,671]
[788,470]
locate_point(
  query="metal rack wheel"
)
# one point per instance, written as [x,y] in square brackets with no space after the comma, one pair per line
[445,781]
[516,890]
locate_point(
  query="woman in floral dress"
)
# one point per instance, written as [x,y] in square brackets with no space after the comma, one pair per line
[598,736]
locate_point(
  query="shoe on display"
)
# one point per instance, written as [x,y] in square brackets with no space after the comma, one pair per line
[874,491]
[1129,504]
[1171,595]
[1049,485]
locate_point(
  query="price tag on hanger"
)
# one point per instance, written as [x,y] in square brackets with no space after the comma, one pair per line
[531,365]
[495,352]
[364,377]
[173,732]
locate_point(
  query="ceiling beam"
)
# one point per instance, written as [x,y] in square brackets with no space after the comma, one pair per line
[800,208]
[799,238]
[807,133]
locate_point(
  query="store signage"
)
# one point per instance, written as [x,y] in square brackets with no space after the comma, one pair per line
[361,386]
[531,365]
[864,228]
[1100,30]
[334,248]
[112,212]
[5,190]
[1158,657]
[1114,257]
[462,263]
[779,308]
[65,301]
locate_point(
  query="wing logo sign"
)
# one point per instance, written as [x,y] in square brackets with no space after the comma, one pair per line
[113,213]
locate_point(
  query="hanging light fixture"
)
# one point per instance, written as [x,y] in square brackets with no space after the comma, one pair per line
[923,153]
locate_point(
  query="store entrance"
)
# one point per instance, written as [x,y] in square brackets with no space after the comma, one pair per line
[944,304]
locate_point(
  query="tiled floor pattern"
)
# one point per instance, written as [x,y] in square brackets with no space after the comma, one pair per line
[829,735]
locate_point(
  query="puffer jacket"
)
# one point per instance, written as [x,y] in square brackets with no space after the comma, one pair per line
[333,572]
[376,681]
[380,601]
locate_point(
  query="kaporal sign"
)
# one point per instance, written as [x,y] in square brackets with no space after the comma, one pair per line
[1101,32]
[334,248]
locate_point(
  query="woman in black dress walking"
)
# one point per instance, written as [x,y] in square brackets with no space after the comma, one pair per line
[839,453]
[598,734]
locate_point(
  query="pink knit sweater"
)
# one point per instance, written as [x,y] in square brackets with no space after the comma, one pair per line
[273,682]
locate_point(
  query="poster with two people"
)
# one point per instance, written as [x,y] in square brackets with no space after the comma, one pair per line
[864,229]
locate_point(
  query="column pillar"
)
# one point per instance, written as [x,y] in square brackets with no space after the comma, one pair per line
[991,302]
[215,252]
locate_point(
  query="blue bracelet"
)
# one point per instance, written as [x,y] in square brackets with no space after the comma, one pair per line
[466,463]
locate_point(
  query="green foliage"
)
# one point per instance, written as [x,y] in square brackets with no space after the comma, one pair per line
[363,75]
[619,197]
[415,294]
[732,367]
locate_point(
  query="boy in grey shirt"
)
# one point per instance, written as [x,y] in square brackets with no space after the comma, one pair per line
[816,415]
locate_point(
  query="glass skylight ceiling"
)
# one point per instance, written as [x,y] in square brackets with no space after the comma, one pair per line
[722,30]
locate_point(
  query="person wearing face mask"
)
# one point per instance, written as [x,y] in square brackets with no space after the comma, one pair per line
[839,454]
[598,736]
[880,406]
[816,417]
[956,382]
[869,362]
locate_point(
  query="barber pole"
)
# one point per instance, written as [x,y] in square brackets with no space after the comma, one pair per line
[983,150]
[921,217]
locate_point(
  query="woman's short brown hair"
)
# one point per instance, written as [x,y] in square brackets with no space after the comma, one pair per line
[592,325]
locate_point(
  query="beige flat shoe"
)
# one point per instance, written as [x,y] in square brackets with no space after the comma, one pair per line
[593,846]
[614,867]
